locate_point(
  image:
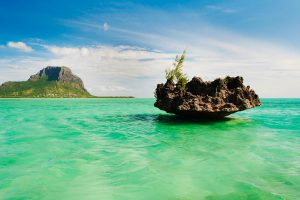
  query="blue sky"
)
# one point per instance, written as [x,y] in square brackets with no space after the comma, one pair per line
[116,45]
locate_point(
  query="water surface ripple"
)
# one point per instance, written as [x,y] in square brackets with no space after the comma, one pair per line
[127,149]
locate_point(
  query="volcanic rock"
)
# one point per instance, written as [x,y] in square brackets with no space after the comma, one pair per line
[205,99]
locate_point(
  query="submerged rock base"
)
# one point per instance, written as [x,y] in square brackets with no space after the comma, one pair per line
[206,99]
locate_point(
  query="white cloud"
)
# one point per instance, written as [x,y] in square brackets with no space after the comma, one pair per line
[105,26]
[66,51]
[109,70]
[20,46]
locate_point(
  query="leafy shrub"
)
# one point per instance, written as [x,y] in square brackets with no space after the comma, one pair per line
[176,74]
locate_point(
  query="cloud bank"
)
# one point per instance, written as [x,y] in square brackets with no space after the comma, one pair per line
[105,70]
[128,70]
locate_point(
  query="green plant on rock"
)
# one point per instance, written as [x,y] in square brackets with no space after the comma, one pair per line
[176,74]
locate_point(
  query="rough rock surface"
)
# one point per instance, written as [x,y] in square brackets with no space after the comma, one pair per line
[57,73]
[205,99]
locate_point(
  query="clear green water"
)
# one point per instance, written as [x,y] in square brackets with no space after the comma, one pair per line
[127,149]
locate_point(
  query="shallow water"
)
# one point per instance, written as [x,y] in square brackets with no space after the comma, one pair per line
[127,149]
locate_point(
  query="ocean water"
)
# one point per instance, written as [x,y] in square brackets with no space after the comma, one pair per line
[128,149]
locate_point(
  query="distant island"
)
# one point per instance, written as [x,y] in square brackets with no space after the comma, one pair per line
[50,82]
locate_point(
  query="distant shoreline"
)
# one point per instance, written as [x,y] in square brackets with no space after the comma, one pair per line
[93,97]
[116,97]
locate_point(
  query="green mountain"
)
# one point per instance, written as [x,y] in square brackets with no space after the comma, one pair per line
[50,82]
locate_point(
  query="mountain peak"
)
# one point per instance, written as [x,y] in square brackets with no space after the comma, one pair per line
[57,73]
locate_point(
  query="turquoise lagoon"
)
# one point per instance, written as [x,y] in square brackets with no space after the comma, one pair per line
[127,149]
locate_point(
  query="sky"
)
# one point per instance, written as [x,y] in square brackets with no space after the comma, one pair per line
[124,47]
